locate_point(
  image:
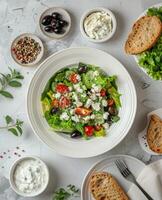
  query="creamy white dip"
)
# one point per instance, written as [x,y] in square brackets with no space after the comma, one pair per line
[30,176]
[98,25]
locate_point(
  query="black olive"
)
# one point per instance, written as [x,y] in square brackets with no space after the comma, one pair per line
[56,15]
[112,111]
[53,22]
[63,23]
[47,20]
[49,29]
[76,134]
[109,120]
[82,68]
[54,110]
[58,30]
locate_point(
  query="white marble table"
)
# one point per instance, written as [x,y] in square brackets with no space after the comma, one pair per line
[19,16]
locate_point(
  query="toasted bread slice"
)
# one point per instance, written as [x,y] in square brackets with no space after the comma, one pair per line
[103,186]
[145,33]
[154,134]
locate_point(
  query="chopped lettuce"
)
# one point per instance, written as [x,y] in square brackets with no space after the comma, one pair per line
[46,105]
[115,95]
[151,60]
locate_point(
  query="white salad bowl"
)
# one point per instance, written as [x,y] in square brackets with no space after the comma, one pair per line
[62,143]
[100,9]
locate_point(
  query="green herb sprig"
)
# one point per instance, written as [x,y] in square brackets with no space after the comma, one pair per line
[13,126]
[66,193]
[10,79]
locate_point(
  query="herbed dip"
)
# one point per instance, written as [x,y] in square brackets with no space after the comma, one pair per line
[98,25]
[30,176]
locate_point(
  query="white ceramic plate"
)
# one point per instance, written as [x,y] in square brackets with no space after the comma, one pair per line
[142,136]
[62,143]
[108,165]
[143,14]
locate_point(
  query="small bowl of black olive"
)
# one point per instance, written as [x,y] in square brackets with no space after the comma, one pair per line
[55,22]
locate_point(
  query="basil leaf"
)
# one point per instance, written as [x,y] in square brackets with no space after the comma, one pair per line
[14,84]
[14,131]
[6,94]
[8,119]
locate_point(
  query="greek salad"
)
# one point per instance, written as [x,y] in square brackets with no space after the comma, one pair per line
[81,100]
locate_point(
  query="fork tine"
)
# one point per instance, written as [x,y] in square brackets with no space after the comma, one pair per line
[126,167]
[120,168]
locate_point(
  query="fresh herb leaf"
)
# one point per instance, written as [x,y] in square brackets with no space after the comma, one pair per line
[66,193]
[9,80]
[6,94]
[14,84]
[8,119]
[19,129]
[13,130]
[13,126]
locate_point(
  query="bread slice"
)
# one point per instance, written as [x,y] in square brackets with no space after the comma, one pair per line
[103,186]
[154,134]
[145,33]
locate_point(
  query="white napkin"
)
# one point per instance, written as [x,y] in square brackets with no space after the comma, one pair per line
[151,180]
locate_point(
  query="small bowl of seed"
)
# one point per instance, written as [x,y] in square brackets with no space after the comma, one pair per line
[27,49]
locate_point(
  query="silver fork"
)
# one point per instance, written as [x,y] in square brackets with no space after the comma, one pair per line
[123,168]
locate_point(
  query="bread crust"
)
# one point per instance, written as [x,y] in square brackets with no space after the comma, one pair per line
[145,33]
[103,186]
[154,134]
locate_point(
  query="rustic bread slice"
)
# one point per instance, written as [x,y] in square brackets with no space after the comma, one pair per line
[103,186]
[145,33]
[154,134]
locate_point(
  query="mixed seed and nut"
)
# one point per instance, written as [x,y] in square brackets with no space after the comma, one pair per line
[26,50]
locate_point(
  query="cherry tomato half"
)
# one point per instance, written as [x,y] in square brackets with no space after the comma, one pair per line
[73,78]
[110,102]
[83,111]
[89,130]
[64,102]
[55,103]
[62,88]
[103,92]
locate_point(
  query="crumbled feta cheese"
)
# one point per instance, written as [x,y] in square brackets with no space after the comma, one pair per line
[88,103]
[96,73]
[72,111]
[75,118]
[78,77]
[64,116]
[92,90]
[79,104]
[105,115]
[93,97]
[98,94]
[96,88]
[92,116]
[57,95]
[78,88]
[104,102]
[106,125]
[70,88]
[96,106]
